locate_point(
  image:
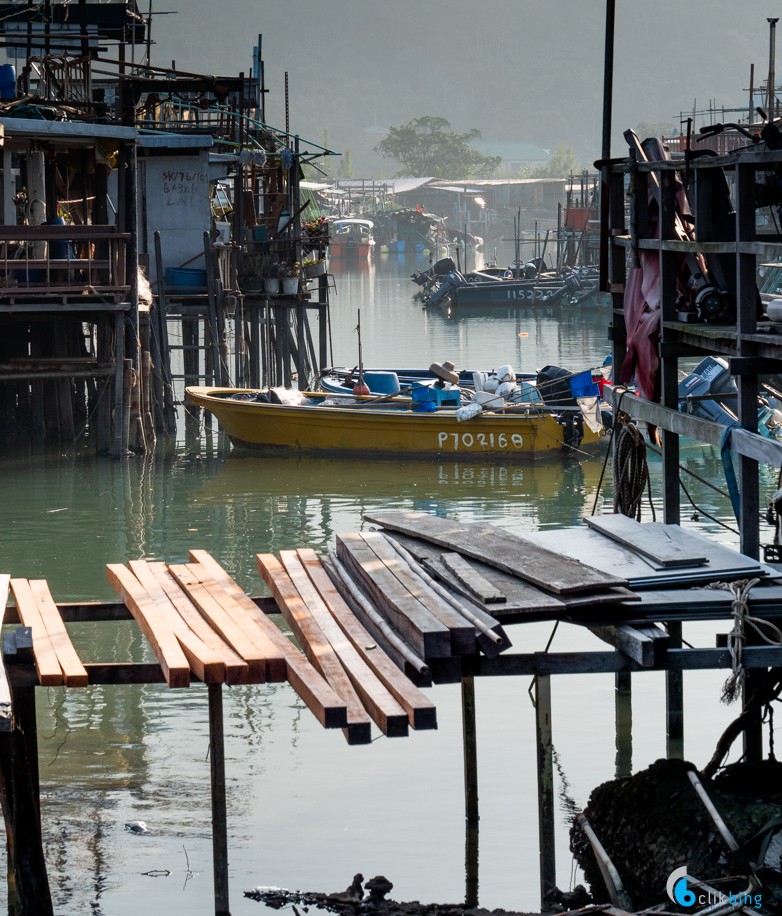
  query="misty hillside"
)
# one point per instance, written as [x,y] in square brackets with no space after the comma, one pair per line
[518,71]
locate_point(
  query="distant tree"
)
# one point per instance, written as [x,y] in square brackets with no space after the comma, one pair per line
[426,147]
[656,129]
[561,163]
[346,165]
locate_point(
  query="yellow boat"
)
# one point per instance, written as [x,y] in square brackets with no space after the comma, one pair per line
[389,428]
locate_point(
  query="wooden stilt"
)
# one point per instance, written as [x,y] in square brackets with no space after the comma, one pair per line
[471,866]
[674,702]
[624,723]
[20,799]
[471,809]
[219,815]
[119,366]
[470,751]
[545,749]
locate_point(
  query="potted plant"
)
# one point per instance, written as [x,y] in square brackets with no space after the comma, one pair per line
[290,278]
[313,266]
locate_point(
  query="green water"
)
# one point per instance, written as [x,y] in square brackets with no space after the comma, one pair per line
[304,810]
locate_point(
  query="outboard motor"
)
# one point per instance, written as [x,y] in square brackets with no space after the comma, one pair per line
[554,386]
[709,392]
[449,283]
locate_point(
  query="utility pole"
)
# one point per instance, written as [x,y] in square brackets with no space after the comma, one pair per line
[771,74]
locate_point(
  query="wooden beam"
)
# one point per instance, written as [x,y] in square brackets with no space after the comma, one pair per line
[384,709]
[229,626]
[155,627]
[313,690]
[237,671]
[477,585]
[44,655]
[646,645]
[743,442]
[315,645]
[420,710]
[204,663]
[415,624]
[462,633]
[74,672]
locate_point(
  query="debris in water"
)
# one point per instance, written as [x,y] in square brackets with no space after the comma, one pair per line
[136,827]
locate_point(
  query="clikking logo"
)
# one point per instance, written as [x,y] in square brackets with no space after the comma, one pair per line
[681,889]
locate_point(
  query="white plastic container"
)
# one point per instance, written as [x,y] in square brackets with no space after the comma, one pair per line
[505,373]
[774,310]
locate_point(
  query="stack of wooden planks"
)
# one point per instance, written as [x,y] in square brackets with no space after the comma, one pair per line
[200,623]
[511,578]
[342,650]
[426,628]
[55,658]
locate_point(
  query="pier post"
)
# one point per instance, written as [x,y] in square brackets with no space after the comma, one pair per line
[20,798]
[674,701]
[623,709]
[545,749]
[219,815]
[471,812]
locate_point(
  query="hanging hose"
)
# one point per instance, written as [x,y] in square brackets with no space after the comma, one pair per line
[631,471]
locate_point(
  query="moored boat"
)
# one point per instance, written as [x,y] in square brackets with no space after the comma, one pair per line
[351,238]
[391,428]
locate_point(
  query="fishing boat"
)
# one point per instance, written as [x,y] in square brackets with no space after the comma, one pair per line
[530,284]
[351,238]
[425,426]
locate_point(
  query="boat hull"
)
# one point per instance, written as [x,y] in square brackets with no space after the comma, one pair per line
[390,431]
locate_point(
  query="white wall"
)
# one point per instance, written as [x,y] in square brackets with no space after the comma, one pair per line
[174,198]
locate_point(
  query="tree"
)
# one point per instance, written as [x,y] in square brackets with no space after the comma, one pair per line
[561,163]
[426,147]
[646,129]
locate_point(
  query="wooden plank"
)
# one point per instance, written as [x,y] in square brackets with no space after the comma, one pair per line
[742,441]
[315,645]
[654,540]
[311,687]
[420,710]
[384,709]
[646,645]
[234,668]
[225,623]
[6,707]
[154,626]
[418,627]
[461,632]
[489,634]
[477,586]
[273,655]
[546,569]
[74,672]
[383,635]
[44,655]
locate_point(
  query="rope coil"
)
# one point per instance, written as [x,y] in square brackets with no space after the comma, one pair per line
[631,471]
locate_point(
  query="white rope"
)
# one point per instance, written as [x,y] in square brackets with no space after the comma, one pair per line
[768,632]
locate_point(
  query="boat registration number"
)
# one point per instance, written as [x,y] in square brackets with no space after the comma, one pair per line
[479,440]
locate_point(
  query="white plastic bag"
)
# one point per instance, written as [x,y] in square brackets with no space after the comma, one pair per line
[506,374]
[468,411]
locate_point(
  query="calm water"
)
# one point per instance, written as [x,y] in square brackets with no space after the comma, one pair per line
[305,811]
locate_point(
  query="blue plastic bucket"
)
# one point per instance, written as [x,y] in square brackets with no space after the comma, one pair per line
[7,81]
[185,276]
[382,382]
